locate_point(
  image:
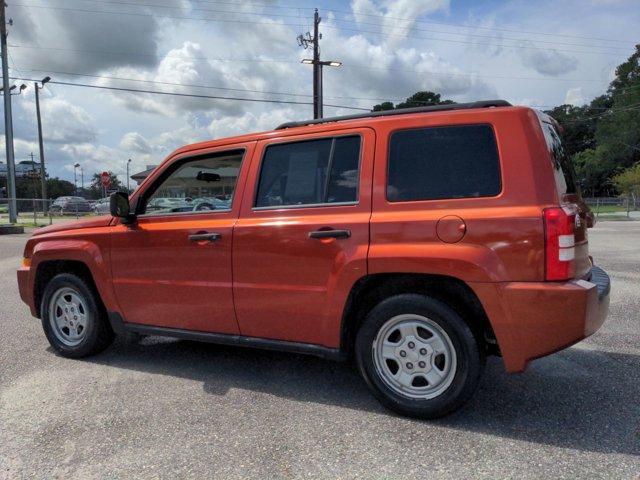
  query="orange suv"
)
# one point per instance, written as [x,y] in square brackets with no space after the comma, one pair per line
[419,241]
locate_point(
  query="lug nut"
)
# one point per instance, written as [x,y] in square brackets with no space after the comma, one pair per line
[403,353]
[411,344]
[423,351]
[409,365]
[422,364]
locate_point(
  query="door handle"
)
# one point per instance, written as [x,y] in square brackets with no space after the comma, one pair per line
[320,234]
[204,237]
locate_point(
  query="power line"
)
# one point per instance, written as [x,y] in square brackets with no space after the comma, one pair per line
[628,108]
[516,47]
[362,67]
[105,12]
[440,32]
[479,27]
[265,92]
[190,95]
[413,20]
[152,55]
[412,28]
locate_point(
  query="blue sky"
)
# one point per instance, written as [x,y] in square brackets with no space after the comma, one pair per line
[535,53]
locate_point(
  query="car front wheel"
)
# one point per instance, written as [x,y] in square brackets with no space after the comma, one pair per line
[418,356]
[72,319]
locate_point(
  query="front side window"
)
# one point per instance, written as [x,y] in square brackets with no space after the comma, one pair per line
[443,162]
[200,184]
[310,172]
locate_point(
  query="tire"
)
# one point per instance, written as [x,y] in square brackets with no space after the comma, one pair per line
[83,329]
[437,360]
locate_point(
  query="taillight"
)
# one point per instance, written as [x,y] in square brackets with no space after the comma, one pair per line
[560,240]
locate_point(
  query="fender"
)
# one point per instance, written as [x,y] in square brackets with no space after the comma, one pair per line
[467,262]
[93,251]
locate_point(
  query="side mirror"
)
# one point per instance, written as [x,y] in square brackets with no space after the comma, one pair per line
[119,207]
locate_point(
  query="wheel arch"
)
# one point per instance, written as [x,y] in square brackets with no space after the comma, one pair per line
[48,269]
[370,290]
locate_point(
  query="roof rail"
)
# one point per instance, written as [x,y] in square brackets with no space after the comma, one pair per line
[401,111]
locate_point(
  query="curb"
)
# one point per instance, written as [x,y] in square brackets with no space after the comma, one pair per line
[11,229]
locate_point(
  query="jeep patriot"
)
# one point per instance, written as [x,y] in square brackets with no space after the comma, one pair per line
[418,241]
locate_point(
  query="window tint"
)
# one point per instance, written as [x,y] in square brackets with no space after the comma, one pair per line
[443,162]
[310,172]
[198,185]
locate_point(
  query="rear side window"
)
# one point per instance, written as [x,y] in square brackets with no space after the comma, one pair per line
[443,162]
[562,166]
[310,172]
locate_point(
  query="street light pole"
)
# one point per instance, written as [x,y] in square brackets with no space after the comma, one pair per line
[8,122]
[43,175]
[75,177]
[128,189]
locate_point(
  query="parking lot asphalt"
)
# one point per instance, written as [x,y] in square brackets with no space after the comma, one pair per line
[175,409]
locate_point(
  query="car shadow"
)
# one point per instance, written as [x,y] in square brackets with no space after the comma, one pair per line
[580,399]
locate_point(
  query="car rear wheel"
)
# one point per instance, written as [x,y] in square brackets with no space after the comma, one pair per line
[73,321]
[418,356]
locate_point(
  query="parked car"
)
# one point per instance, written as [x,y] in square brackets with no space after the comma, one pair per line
[162,203]
[419,241]
[101,206]
[70,206]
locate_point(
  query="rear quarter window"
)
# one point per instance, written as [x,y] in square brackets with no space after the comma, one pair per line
[443,162]
[562,166]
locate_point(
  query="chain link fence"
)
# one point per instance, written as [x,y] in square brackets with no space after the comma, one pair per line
[39,212]
[613,205]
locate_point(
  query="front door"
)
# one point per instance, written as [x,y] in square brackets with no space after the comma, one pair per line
[172,268]
[302,237]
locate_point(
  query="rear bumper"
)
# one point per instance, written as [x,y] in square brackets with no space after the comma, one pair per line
[534,319]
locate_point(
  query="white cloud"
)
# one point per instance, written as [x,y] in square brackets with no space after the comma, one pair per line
[136,143]
[548,62]
[66,123]
[575,97]
[398,17]
[249,122]
[102,129]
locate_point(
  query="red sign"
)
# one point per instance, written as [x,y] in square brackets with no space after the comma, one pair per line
[105,179]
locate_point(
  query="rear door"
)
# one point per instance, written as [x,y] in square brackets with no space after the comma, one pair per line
[302,237]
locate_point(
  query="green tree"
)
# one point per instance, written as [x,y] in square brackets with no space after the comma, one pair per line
[628,181]
[95,189]
[57,187]
[423,99]
[418,99]
[383,106]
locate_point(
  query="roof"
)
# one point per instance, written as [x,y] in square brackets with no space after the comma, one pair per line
[142,175]
[402,111]
[285,128]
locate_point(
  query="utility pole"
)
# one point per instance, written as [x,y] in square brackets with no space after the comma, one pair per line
[8,123]
[43,174]
[306,41]
[317,96]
